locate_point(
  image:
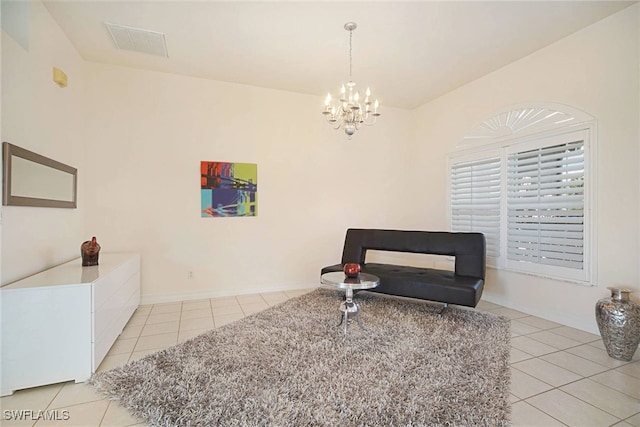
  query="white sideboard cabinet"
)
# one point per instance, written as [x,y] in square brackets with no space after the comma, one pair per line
[59,324]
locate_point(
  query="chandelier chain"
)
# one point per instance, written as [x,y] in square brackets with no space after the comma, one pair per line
[350,54]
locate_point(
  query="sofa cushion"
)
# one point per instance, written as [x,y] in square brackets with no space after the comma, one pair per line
[425,283]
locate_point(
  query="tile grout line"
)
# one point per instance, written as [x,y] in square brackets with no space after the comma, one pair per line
[525,400]
[608,369]
[558,388]
[133,349]
[105,413]
[549,415]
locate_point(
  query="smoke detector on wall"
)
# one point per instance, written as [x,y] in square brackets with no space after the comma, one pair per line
[138,40]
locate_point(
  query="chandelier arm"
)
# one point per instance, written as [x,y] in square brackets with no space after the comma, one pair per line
[369,121]
[335,125]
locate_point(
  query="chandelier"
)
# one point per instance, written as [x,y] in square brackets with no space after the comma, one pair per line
[351,111]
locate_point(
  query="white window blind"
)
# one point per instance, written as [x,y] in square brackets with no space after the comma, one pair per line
[524,177]
[546,208]
[531,200]
[475,200]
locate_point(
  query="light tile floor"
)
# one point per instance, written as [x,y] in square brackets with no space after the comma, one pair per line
[560,376]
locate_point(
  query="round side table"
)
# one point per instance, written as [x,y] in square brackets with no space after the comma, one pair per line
[349,309]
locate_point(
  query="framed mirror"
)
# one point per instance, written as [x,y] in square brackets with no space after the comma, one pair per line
[34,180]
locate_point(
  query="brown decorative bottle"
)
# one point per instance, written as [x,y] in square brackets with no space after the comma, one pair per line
[618,319]
[90,250]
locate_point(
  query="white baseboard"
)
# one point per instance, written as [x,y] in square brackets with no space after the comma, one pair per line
[218,293]
[587,325]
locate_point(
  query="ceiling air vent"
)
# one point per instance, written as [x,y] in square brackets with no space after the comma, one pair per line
[138,40]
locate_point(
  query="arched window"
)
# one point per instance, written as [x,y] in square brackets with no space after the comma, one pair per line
[524,177]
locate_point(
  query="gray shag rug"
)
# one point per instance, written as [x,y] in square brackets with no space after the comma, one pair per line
[291,366]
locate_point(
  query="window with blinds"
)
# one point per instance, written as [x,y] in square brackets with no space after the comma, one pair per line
[475,201]
[546,208]
[530,199]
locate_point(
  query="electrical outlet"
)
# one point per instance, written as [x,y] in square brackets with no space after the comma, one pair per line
[190,275]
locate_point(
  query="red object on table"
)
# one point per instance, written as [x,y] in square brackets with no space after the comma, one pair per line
[352,270]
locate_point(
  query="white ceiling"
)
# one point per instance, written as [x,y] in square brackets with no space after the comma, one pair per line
[408,52]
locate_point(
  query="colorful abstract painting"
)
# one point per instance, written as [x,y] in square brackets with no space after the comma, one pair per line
[228,189]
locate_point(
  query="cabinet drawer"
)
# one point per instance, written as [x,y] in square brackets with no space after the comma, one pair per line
[111,318]
[106,287]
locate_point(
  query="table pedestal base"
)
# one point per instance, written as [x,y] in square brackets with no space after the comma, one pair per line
[349,310]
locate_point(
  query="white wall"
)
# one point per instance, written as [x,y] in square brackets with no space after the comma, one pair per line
[137,138]
[41,117]
[149,131]
[595,70]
